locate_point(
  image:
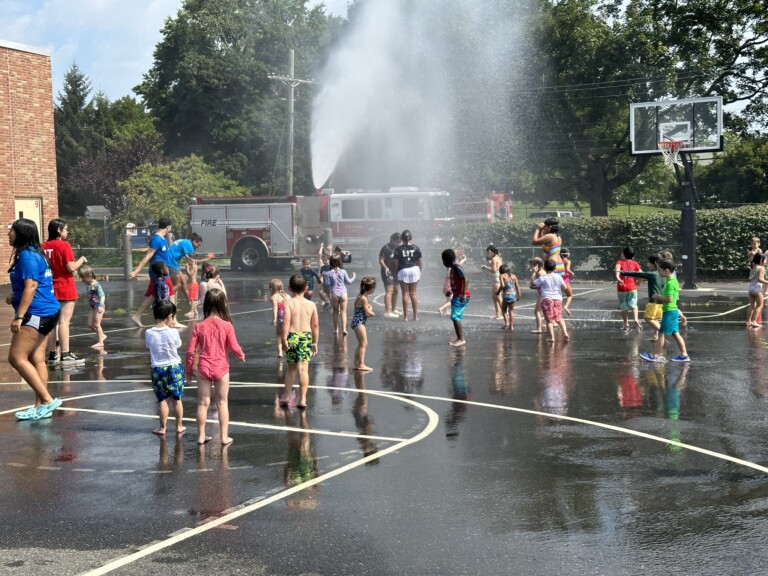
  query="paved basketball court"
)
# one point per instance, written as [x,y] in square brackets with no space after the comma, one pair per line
[511,455]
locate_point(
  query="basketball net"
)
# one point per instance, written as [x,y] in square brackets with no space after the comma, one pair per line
[671,151]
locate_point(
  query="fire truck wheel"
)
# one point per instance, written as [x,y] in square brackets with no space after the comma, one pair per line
[250,256]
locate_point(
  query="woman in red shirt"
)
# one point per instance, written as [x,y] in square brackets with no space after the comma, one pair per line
[63,264]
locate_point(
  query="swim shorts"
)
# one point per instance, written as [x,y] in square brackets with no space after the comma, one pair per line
[670,323]
[628,300]
[299,347]
[552,309]
[409,275]
[194,291]
[168,381]
[457,308]
[653,311]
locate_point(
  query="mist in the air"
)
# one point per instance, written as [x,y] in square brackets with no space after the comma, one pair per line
[417,90]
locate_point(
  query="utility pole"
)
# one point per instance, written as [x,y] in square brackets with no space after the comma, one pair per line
[292,83]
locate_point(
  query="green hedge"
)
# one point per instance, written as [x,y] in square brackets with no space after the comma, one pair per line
[722,236]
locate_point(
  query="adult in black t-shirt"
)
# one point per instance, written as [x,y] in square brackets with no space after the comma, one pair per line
[389,265]
[408,272]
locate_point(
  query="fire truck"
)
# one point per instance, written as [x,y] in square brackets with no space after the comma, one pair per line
[258,233]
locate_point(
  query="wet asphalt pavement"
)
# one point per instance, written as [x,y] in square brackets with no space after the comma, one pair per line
[441,461]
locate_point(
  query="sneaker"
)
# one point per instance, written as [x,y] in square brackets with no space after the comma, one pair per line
[397,312]
[390,315]
[625,329]
[651,357]
[71,360]
[26,414]
[681,358]
[46,410]
[52,358]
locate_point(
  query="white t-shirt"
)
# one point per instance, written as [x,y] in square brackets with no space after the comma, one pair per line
[163,344]
[550,286]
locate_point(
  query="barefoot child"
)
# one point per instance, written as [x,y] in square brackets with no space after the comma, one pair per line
[207,359]
[552,287]
[757,282]
[278,299]
[212,276]
[193,288]
[310,275]
[565,254]
[96,299]
[670,317]
[460,259]
[300,339]
[511,294]
[626,287]
[339,280]
[362,310]
[537,271]
[163,342]
[459,294]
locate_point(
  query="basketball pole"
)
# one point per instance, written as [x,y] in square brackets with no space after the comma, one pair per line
[684,175]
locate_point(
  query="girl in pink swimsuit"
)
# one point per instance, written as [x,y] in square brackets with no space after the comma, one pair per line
[207,359]
[278,298]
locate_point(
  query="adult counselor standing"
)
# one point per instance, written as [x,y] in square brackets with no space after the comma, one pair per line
[388,264]
[37,312]
[63,264]
[408,272]
[158,250]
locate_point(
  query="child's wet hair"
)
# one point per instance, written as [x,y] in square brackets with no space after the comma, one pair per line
[211,272]
[628,252]
[297,284]
[536,261]
[505,269]
[550,265]
[335,261]
[667,265]
[164,309]
[305,262]
[216,301]
[86,272]
[275,285]
[757,258]
[159,268]
[448,257]
[367,284]
[565,253]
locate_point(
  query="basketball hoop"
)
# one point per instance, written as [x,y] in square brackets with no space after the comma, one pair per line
[671,151]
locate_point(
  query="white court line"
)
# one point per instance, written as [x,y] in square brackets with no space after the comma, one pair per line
[192,532]
[611,427]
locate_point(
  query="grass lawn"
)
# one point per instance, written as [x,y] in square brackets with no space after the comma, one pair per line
[522,210]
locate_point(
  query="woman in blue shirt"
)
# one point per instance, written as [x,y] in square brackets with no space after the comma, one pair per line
[37,312]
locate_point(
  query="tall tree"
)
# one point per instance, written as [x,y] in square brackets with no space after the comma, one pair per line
[76,136]
[210,90]
[600,55]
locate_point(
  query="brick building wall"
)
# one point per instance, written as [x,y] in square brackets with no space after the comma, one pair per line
[27,141]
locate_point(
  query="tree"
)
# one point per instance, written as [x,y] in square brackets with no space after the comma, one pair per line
[600,55]
[75,119]
[738,176]
[209,87]
[153,191]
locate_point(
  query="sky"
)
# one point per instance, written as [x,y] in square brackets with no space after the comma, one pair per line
[111,41]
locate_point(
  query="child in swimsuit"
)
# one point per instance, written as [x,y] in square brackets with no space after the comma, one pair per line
[362,311]
[339,280]
[299,340]
[511,294]
[278,300]
[207,358]
[96,299]
[537,269]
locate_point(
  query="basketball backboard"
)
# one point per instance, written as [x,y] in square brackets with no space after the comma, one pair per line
[696,122]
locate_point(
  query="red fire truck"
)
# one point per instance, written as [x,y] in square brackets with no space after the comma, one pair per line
[261,232]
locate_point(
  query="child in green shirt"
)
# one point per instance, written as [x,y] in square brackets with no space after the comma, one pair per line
[670,316]
[653,311]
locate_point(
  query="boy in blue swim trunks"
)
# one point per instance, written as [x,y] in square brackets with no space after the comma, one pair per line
[301,331]
[459,294]
[670,316]
[163,342]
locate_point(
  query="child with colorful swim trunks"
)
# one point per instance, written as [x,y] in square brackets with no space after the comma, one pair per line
[459,294]
[653,310]
[207,358]
[300,336]
[670,317]
[163,342]
[552,287]
[626,287]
